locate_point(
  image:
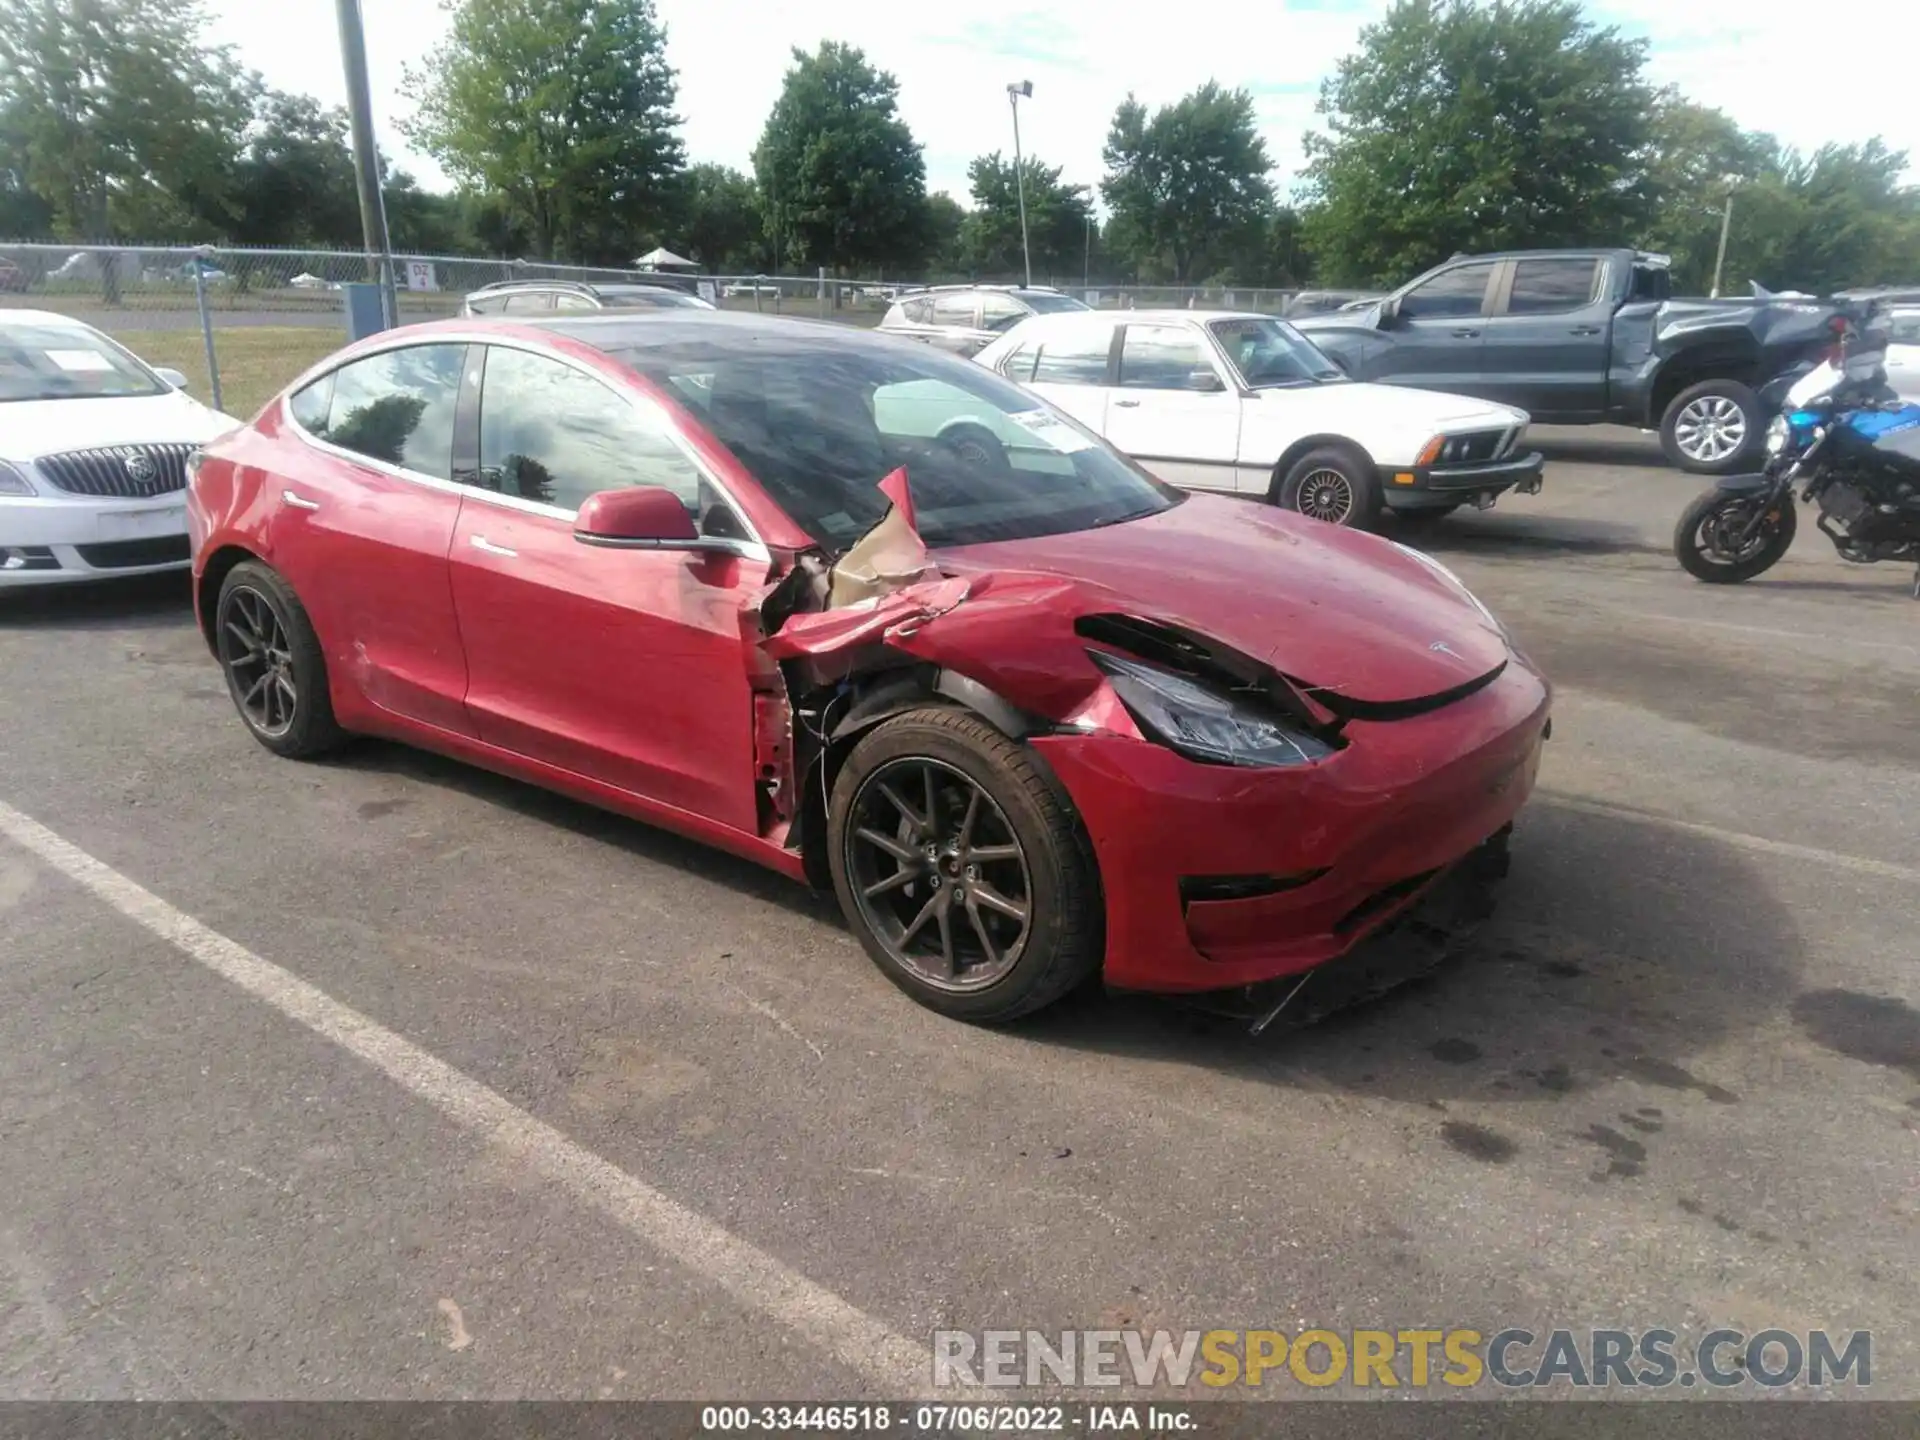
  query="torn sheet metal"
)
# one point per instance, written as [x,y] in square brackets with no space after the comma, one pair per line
[889,557]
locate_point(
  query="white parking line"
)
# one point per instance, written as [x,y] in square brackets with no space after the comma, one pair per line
[1861,864]
[895,1365]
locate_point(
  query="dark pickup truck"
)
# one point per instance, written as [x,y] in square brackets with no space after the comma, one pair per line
[1581,337]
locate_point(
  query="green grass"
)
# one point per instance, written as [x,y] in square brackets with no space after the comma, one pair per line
[256,361]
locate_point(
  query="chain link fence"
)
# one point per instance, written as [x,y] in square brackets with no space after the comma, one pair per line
[249,320]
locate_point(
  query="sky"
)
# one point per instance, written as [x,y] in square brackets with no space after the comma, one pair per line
[1750,58]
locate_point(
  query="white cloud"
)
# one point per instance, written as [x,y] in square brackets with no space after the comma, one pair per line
[1751,58]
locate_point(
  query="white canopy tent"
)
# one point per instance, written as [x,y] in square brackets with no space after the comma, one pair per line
[664,259]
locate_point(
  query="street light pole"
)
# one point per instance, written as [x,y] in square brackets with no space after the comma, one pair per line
[366,156]
[1015,92]
[1720,260]
[1086,273]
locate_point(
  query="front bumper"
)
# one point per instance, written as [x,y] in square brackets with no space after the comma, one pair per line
[48,541]
[1346,845]
[1423,486]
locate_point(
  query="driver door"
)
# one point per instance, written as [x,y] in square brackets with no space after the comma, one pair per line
[1172,410]
[1436,339]
[624,666]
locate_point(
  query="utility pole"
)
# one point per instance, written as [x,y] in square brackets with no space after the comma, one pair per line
[366,156]
[1720,260]
[1015,92]
[1086,272]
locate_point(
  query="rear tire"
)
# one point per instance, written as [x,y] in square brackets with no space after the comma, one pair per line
[932,894]
[1701,550]
[1332,484]
[1713,428]
[275,670]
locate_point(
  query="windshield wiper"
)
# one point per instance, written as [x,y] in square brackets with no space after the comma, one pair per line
[1122,519]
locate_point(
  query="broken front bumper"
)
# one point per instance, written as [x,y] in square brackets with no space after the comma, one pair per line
[1216,877]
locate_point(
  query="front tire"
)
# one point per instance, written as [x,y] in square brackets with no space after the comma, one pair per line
[961,867]
[275,670]
[1713,428]
[1333,485]
[1705,540]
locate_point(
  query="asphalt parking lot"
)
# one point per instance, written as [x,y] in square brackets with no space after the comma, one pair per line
[494,1095]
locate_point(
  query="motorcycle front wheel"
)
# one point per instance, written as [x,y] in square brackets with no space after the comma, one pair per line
[1709,541]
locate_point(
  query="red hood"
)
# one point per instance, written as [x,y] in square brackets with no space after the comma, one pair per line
[1331,607]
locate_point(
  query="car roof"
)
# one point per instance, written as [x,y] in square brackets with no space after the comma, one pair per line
[1141,317]
[612,330]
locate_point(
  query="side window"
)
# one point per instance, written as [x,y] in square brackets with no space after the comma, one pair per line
[1017,364]
[311,404]
[1903,327]
[1074,359]
[1454,292]
[487,304]
[573,303]
[1551,287]
[955,310]
[537,302]
[396,407]
[918,312]
[551,433]
[1164,357]
[1001,312]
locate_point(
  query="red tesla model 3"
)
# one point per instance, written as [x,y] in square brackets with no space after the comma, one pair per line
[879,619]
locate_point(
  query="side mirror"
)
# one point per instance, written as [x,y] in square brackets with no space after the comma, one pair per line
[641,517]
[172,377]
[1389,311]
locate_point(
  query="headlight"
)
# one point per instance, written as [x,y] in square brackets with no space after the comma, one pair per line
[12,482]
[1778,434]
[1203,724]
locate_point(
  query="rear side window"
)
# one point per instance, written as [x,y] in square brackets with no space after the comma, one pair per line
[486,304]
[396,407]
[917,312]
[573,302]
[1548,287]
[556,435]
[1079,359]
[1001,312]
[957,310]
[536,303]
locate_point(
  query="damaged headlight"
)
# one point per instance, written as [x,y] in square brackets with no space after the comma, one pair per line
[1203,724]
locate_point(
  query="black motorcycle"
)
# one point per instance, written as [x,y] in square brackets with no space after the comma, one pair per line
[1852,446]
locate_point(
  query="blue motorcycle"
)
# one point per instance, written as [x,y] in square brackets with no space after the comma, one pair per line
[1852,447]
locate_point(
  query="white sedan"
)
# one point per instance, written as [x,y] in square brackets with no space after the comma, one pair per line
[93,455]
[1246,403]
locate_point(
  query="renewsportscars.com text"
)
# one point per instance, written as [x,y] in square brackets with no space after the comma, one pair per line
[1513,1358]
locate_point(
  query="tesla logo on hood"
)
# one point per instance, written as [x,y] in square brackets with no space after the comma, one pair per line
[1440,647]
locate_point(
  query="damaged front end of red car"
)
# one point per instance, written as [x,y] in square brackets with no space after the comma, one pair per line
[1240,847]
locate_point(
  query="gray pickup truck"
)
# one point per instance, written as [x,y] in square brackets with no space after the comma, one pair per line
[1582,337]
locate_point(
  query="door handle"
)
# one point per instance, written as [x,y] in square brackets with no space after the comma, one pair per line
[486,546]
[1128,404]
[1586,330]
[1466,334]
[298,502]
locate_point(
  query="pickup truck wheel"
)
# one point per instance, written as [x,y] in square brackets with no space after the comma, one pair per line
[1332,485]
[1712,428]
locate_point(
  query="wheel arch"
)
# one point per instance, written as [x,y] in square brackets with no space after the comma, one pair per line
[1306,445]
[206,595]
[1690,367]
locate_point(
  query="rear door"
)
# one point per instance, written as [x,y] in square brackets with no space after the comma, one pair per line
[1545,348]
[1436,337]
[362,533]
[1071,366]
[624,666]
[1172,409]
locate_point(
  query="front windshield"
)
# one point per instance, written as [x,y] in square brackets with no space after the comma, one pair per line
[1046,304]
[66,362]
[1269,353]
[820,423]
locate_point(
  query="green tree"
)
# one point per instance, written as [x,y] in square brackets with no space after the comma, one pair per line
[121,119]
[843,179]
[721,225]
[1463,126]
[295,177]
[1694,156]
[565,107]
[1057,219]
[1187,184]
[945,231]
